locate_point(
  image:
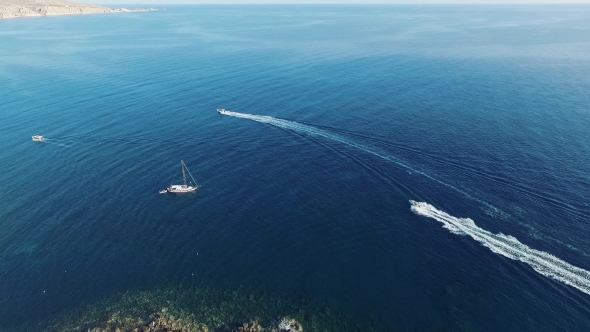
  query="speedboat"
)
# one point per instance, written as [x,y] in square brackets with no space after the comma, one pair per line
[222,111]
[417,204]
[38,138]
[164,191]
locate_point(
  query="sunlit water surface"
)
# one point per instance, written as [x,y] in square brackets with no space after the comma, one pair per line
[482,112]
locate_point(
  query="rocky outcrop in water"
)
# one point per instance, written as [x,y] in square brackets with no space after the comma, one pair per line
[38,8]
[161,322]
[202,308]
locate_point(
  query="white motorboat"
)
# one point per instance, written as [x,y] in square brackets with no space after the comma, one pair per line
[417,204]
[164,191]
[186,188]
[222,111]
[38,138]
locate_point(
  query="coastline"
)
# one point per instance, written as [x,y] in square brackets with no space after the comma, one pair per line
[31,11]
[202,307]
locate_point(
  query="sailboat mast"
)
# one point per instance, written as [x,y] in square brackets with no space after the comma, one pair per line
[183,174]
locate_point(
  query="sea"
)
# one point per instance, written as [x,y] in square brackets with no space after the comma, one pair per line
[338,116]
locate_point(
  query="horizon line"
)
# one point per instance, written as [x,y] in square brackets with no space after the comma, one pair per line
[350,4]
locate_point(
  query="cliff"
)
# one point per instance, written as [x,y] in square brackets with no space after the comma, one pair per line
[36,8]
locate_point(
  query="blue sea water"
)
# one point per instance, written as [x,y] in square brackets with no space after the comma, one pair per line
[481,111]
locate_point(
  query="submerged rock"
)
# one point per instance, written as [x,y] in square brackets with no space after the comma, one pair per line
[253,326]
[290,325]
[160,322]
[204,309]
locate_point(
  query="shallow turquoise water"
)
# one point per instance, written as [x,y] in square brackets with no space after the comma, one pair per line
[480,111]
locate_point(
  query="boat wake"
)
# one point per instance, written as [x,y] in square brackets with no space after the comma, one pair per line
[508,246]
[314,131]
[505,245]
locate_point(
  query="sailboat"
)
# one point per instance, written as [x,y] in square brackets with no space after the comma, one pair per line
[182,188]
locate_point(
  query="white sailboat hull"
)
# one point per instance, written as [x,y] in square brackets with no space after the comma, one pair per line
[181,189]
[185,188]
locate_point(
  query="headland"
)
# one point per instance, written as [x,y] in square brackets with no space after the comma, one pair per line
[39,8]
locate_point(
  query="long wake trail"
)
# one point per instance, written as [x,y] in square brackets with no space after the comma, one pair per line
[505,245]
[508,246]
[314,131]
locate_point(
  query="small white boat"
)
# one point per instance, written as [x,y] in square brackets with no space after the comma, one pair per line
[163,191]
[186,188]
[222,111]
[38,138]
[417,204]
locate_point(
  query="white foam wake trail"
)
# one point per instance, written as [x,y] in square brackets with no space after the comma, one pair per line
[508,246]
[505,245]
[313,131]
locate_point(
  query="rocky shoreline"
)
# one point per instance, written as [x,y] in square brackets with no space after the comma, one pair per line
[19,9]
[203,308]
[162,322]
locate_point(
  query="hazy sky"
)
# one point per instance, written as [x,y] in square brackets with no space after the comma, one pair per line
[165,2]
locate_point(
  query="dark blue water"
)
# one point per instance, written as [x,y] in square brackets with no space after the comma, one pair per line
[483,112]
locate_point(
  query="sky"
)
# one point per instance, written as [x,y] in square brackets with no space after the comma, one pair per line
[168,2]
